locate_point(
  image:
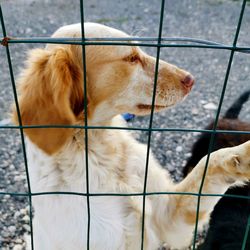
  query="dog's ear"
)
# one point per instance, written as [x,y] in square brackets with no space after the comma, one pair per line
[51,93]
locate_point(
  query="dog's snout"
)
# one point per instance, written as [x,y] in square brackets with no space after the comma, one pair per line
[188,81]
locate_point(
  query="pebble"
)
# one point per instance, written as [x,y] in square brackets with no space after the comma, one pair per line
[12,229]
[12,167]
[26,219]
[6,197]
[24,211]
[28,30]
[5,232]
[26,227]
[19,178]
[169,153]
[210,106]
[187,155]
[171,167]
[19,241]
[4,121]
[17,214]
[4,164]
[18,247]
[195,111]
[179,149]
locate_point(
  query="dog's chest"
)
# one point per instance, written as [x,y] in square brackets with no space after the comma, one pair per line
[67,170]
[67,173]
[67,217]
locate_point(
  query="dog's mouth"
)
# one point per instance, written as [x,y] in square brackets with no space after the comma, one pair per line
[149,107]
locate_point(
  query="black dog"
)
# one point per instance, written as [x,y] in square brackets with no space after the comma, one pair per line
[229,219]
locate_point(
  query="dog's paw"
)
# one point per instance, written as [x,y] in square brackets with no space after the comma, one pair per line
[237,162]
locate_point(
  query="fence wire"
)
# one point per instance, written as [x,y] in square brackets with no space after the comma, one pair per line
[85,119]
[157,42]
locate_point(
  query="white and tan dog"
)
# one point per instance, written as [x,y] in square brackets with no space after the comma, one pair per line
[119,79]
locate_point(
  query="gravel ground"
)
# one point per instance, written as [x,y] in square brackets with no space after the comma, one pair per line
[208,19]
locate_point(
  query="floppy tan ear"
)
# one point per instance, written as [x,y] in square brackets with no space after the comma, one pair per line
[51,93]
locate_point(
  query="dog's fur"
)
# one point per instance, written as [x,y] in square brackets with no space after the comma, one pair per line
[226,229]
[119,79]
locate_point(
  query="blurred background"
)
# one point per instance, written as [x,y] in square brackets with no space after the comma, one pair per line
[214,20]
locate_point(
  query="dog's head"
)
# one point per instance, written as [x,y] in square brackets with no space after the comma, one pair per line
[119,79]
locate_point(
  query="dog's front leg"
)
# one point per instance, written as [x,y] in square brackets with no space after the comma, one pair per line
[227,167]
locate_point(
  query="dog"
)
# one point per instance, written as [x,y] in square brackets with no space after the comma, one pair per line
[229,218]
[120,79]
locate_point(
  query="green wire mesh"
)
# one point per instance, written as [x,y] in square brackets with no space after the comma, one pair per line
[158,42]
[85,119]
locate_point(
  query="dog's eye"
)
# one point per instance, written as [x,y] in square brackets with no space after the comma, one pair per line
[133,59]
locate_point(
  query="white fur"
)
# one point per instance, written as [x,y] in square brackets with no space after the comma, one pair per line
[112,220]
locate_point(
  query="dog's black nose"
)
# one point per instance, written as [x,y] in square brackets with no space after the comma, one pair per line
[188,81]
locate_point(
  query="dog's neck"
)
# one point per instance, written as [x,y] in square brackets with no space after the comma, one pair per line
[96,132]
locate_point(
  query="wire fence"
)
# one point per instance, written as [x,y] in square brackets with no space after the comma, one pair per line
[157,42]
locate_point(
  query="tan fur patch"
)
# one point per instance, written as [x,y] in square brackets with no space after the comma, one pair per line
[47,97]
[190,216]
